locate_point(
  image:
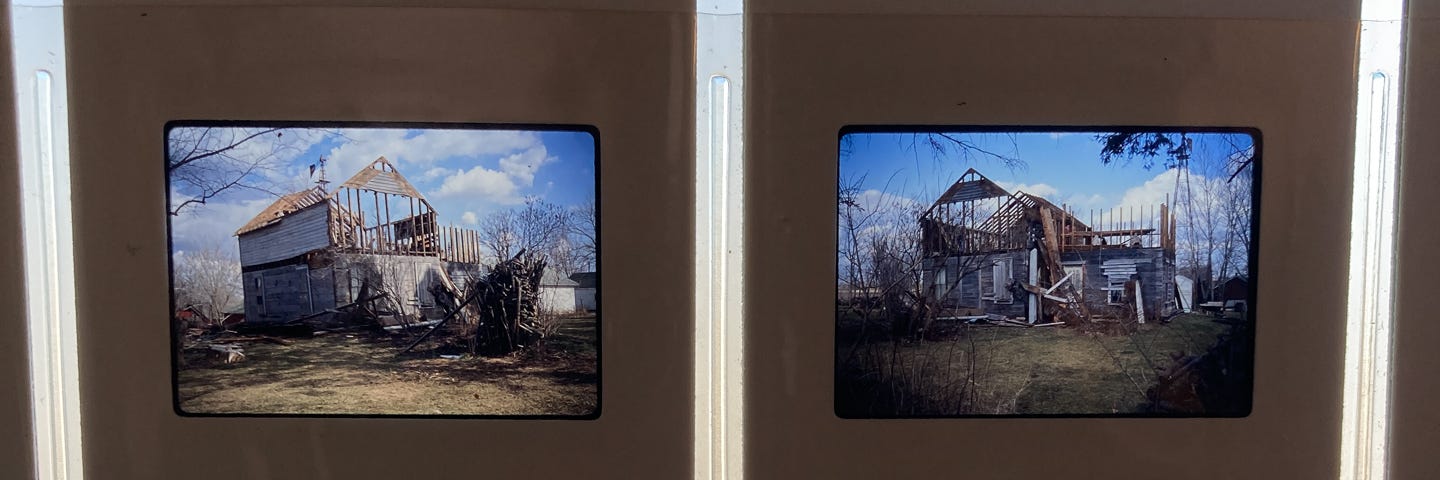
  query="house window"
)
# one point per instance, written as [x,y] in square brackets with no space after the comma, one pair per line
[1116,289]
[259,294]
[1000,281]
[940,283]
[1076,272]
[352,286]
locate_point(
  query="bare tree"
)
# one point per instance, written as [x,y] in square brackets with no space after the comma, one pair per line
[537,226]
[1239,220]
[566,258]
[969,148]
[1212,194]
[208,279]
[854,218]
[204,162]
[584,223]
[881,266]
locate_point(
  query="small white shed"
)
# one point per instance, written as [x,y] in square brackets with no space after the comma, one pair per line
[557,293]
[1184,292]
[585,291]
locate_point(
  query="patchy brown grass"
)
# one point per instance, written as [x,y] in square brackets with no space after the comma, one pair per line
[357,373]
[987,370]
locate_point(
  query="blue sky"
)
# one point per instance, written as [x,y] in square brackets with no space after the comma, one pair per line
[1062,167]
[465,174]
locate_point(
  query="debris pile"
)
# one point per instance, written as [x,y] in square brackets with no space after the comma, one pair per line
[506,303]
[497,315]
[220,346]
[503,305]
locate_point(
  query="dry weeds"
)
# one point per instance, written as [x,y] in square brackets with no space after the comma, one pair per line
[355,373]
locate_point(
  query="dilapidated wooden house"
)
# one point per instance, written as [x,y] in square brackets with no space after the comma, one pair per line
[987,251]
[316,249]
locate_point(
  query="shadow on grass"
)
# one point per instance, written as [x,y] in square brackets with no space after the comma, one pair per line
[961,370]
[313,366]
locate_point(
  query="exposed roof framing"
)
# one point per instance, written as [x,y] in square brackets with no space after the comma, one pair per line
[1014,210]
[1020,211]
[284,206]
[970,187]
[381,176]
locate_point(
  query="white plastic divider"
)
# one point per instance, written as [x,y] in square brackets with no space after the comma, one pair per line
[1369,332]
[38,40]
[719,246]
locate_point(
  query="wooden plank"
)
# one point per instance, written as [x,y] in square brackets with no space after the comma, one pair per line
[1139,304]
[963,318]
[376,198]
[1058,284]
[360,210]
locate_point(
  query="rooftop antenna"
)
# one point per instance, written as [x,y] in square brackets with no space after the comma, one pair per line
[322,182]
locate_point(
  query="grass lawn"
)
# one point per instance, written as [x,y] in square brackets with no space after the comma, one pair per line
[1027,371]
[357,373]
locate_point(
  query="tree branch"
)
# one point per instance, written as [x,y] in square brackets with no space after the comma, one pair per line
[189,160]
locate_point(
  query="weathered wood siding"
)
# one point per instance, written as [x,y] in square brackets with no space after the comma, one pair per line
[284,293]
[976,288]
[409,276]
[301,231]
[1154,269]
[322,288]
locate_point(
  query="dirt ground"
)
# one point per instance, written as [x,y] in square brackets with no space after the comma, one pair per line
[980,370]
[359,373]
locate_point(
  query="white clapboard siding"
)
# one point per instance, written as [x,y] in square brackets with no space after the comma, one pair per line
[296,233]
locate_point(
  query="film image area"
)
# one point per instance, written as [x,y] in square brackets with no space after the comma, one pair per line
[1035,273]
[339,270]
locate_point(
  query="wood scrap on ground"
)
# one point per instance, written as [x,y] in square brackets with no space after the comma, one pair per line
[505,304]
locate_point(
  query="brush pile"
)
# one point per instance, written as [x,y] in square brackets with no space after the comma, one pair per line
[505,303]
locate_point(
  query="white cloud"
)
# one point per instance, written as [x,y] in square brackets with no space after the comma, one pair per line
[522,166]
[363,146]
[469,218]
[516,173]
[884,211]
[875,200]
[481,183]
[213,223]
[1142,202]
[435,173]
[1154,191]
[1081,204]
[1039,189]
